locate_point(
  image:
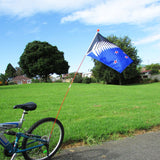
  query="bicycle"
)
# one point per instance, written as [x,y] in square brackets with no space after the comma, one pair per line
[38,142]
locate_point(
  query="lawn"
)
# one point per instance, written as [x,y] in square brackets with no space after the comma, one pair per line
[91,112]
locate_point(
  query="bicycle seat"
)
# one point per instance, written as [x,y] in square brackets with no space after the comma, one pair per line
[27,106]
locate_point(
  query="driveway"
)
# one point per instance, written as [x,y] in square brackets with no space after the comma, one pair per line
[140,147]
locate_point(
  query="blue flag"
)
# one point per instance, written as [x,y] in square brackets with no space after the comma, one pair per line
[108,53]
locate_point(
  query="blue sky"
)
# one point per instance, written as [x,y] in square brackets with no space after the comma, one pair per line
[71,25]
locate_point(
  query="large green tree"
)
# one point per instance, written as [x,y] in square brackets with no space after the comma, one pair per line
[10,71]
[129,75]
[41,58]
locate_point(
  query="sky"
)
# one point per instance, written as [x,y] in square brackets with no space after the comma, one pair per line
[71,26]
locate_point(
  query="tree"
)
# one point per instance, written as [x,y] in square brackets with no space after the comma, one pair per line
[41,58]
[10,71]
[129,75]
[19,71]
[3,79]
[154,68]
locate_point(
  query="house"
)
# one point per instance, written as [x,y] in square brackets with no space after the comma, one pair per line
[22,80]
[54,77]
[146,74]
[88,74]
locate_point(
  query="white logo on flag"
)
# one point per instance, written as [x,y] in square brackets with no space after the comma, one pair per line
[102,46]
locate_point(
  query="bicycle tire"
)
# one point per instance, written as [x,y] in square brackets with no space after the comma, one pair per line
[41,128]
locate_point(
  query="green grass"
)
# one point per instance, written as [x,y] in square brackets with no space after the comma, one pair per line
[91,112]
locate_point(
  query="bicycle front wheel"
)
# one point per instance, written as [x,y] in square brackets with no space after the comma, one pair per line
[42,128]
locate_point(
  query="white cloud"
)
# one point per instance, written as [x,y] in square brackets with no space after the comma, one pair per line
[148,39]
[94,12]
[117,11]
[24,8]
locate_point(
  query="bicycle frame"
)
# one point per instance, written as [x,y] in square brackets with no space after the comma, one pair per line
[6,126]
[33,137]
[15,149]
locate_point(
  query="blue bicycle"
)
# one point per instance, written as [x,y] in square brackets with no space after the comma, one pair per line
[38,143]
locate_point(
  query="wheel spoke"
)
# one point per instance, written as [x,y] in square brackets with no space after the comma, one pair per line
[43,129]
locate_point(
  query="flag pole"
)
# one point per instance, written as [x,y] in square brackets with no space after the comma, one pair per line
[70,86]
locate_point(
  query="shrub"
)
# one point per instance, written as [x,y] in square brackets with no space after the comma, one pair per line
[155,80]
[35,81]
[86,80]
[93,80]
[58,81]
[78,79]
[11,83]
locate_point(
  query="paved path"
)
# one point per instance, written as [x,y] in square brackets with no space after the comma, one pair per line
[141,147]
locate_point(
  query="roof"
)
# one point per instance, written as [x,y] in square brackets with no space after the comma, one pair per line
[145,71]
[20,78]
